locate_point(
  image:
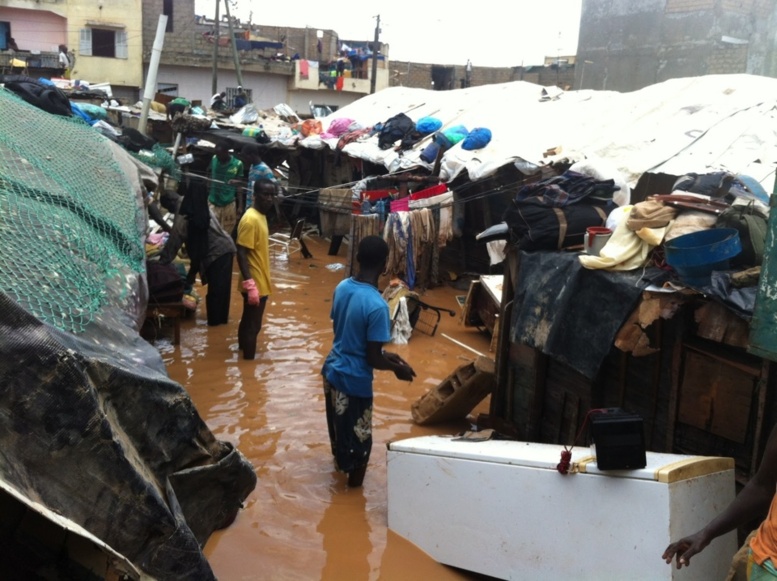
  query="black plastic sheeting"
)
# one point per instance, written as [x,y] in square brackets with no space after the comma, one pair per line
[739,300]
[569,312]
[92,427]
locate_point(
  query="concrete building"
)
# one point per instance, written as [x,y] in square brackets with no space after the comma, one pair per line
[625,46]
[555,71]
[271,75]
[103,37]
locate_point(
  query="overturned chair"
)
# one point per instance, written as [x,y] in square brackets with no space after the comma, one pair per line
[409,313]
[291,242]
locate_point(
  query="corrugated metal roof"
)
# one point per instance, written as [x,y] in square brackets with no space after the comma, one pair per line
[698,124]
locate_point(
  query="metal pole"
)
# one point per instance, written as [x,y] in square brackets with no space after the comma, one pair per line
[374,75]
[153,69]
[234,47]
[214,88]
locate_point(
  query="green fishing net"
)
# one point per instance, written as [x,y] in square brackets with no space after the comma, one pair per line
[68,215]
[159,157]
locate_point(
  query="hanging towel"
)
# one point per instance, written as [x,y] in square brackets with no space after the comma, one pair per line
[304,69]
[445,204]
[335,211]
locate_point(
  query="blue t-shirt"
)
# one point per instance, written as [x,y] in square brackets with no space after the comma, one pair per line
[359,315]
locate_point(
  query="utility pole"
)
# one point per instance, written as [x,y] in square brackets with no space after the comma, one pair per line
[375,56]
[215,82]
[234,47]
[153,69]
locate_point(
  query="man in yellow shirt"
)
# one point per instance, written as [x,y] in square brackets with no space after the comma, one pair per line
[253,259]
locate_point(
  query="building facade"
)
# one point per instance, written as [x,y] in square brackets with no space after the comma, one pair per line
[625,46]
[555,71]
[277,64]
[103,38]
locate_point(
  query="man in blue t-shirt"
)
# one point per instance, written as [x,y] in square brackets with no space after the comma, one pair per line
[361,322]
[257,170]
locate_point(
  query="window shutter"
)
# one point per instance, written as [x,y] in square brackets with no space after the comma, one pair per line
[121,44]
[85,46]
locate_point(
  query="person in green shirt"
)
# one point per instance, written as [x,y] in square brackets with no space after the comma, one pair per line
[226,172]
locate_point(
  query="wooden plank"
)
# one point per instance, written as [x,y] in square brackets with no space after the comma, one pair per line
[719,324]
[677,357]
[715,397]
[468,314]
[739,363]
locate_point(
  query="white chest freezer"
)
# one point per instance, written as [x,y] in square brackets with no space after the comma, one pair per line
[501,508]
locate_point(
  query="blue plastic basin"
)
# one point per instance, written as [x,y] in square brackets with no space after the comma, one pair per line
[694,256]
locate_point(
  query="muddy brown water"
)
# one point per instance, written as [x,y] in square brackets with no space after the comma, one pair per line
[302,521]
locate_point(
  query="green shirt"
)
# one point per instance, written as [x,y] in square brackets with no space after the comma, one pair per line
[221,193]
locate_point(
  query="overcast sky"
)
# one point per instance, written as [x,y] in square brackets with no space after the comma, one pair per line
[489,33]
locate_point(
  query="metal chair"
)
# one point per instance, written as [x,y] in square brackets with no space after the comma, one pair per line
[291,242]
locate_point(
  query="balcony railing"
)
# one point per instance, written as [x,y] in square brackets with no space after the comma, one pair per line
[28,60]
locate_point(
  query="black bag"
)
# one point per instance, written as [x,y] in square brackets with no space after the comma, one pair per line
[751,225]
[133,140]
[45,97]
[165,284]
[536,227]
[396,128]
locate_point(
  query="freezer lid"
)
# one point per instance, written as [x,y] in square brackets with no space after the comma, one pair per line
[660,467]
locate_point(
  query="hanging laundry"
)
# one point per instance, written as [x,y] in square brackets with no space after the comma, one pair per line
[443,202]
[336,207]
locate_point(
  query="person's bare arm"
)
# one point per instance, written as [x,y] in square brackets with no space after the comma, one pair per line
[157,216]
[242,262]
[751,503]
[384,360]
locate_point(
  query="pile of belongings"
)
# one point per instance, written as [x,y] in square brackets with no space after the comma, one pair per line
[697,203]
[554,213]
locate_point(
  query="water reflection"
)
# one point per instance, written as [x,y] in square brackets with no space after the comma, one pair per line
[302,521]
[346,512]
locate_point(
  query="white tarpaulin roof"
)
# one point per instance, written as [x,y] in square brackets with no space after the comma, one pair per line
[698,124]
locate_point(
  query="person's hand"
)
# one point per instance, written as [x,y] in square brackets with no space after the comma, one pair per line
[402,369]
[253,293]
[686,548]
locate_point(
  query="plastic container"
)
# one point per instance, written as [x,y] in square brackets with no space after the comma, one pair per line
[695,256]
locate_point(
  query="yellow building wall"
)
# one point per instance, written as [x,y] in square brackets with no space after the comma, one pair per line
[115,15]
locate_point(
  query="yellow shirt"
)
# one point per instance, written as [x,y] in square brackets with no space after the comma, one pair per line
[253,234]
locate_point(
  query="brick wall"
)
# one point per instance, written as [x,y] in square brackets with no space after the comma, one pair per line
[182,38]
[741,6]
[688,5]
[727,59]
[302,41]
[419,75]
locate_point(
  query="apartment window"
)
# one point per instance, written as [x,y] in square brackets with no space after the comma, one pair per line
[167,10]
[5,35]
[104,42]
[169,89]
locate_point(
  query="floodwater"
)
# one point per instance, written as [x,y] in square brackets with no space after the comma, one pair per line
[302,521]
